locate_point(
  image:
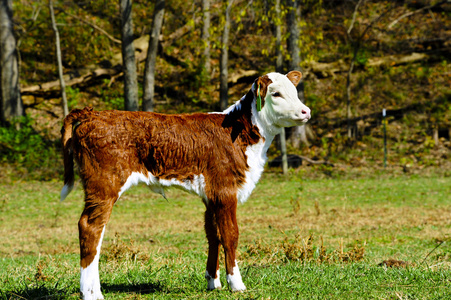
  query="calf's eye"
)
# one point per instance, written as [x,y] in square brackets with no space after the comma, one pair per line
[276,94]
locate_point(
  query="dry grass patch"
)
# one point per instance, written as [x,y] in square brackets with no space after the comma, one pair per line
[302,250]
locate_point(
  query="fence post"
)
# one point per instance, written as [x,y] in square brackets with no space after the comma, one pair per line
[384,120]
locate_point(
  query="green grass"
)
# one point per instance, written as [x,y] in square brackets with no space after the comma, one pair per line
[302,238]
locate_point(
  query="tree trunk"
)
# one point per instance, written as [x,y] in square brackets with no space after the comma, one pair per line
[59,59]
[279,68]
[293,17]
[206,36]
[283,150]
[278,34]
[435,135]
[128,57]
[11,102]
[348,97]
[298,134]
[149,72]
[223,89]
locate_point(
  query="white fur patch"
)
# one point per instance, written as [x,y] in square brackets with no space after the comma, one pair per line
[67,188]
[89,279]
[256,156]
[235,106]
[195,186]
[136,178]
[213,283]
[256,159]
[235,281]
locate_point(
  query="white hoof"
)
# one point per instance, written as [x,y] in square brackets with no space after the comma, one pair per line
[90,286]
[235,281]
[213,283]
[92,294]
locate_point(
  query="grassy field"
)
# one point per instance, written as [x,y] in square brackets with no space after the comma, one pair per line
[300,239]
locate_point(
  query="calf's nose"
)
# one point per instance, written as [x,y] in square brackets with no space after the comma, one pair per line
[305,113]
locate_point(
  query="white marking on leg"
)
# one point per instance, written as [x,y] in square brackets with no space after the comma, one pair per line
[89,276]
[213,283]
[235,281]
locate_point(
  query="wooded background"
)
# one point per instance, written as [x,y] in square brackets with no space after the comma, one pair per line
[357,57]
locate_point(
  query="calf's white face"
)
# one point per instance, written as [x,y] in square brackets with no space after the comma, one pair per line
[282,105]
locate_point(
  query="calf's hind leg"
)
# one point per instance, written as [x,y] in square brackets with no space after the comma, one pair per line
[91,228]
[211,230]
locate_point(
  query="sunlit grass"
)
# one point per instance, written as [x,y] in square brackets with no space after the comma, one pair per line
[155,248]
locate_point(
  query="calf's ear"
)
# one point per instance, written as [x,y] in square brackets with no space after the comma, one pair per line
[294,77]
[261,86]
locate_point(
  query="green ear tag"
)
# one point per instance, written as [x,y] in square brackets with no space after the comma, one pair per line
[259,99]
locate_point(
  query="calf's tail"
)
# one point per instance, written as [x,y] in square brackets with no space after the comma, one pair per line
[70,120]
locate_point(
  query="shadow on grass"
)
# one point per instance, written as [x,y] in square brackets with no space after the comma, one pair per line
[138,288]
[46,292]
[37,292]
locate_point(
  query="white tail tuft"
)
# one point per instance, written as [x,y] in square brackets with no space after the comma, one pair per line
[67,188]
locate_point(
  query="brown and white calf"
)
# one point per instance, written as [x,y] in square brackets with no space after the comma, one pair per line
[218,156]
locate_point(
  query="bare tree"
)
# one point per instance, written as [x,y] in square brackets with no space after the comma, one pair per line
[356,44]
[206,36]
[128,57]
[224,74]
[10,100]
[149,73]
[59,60]
[428,7]
[92,25]
[350,70]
